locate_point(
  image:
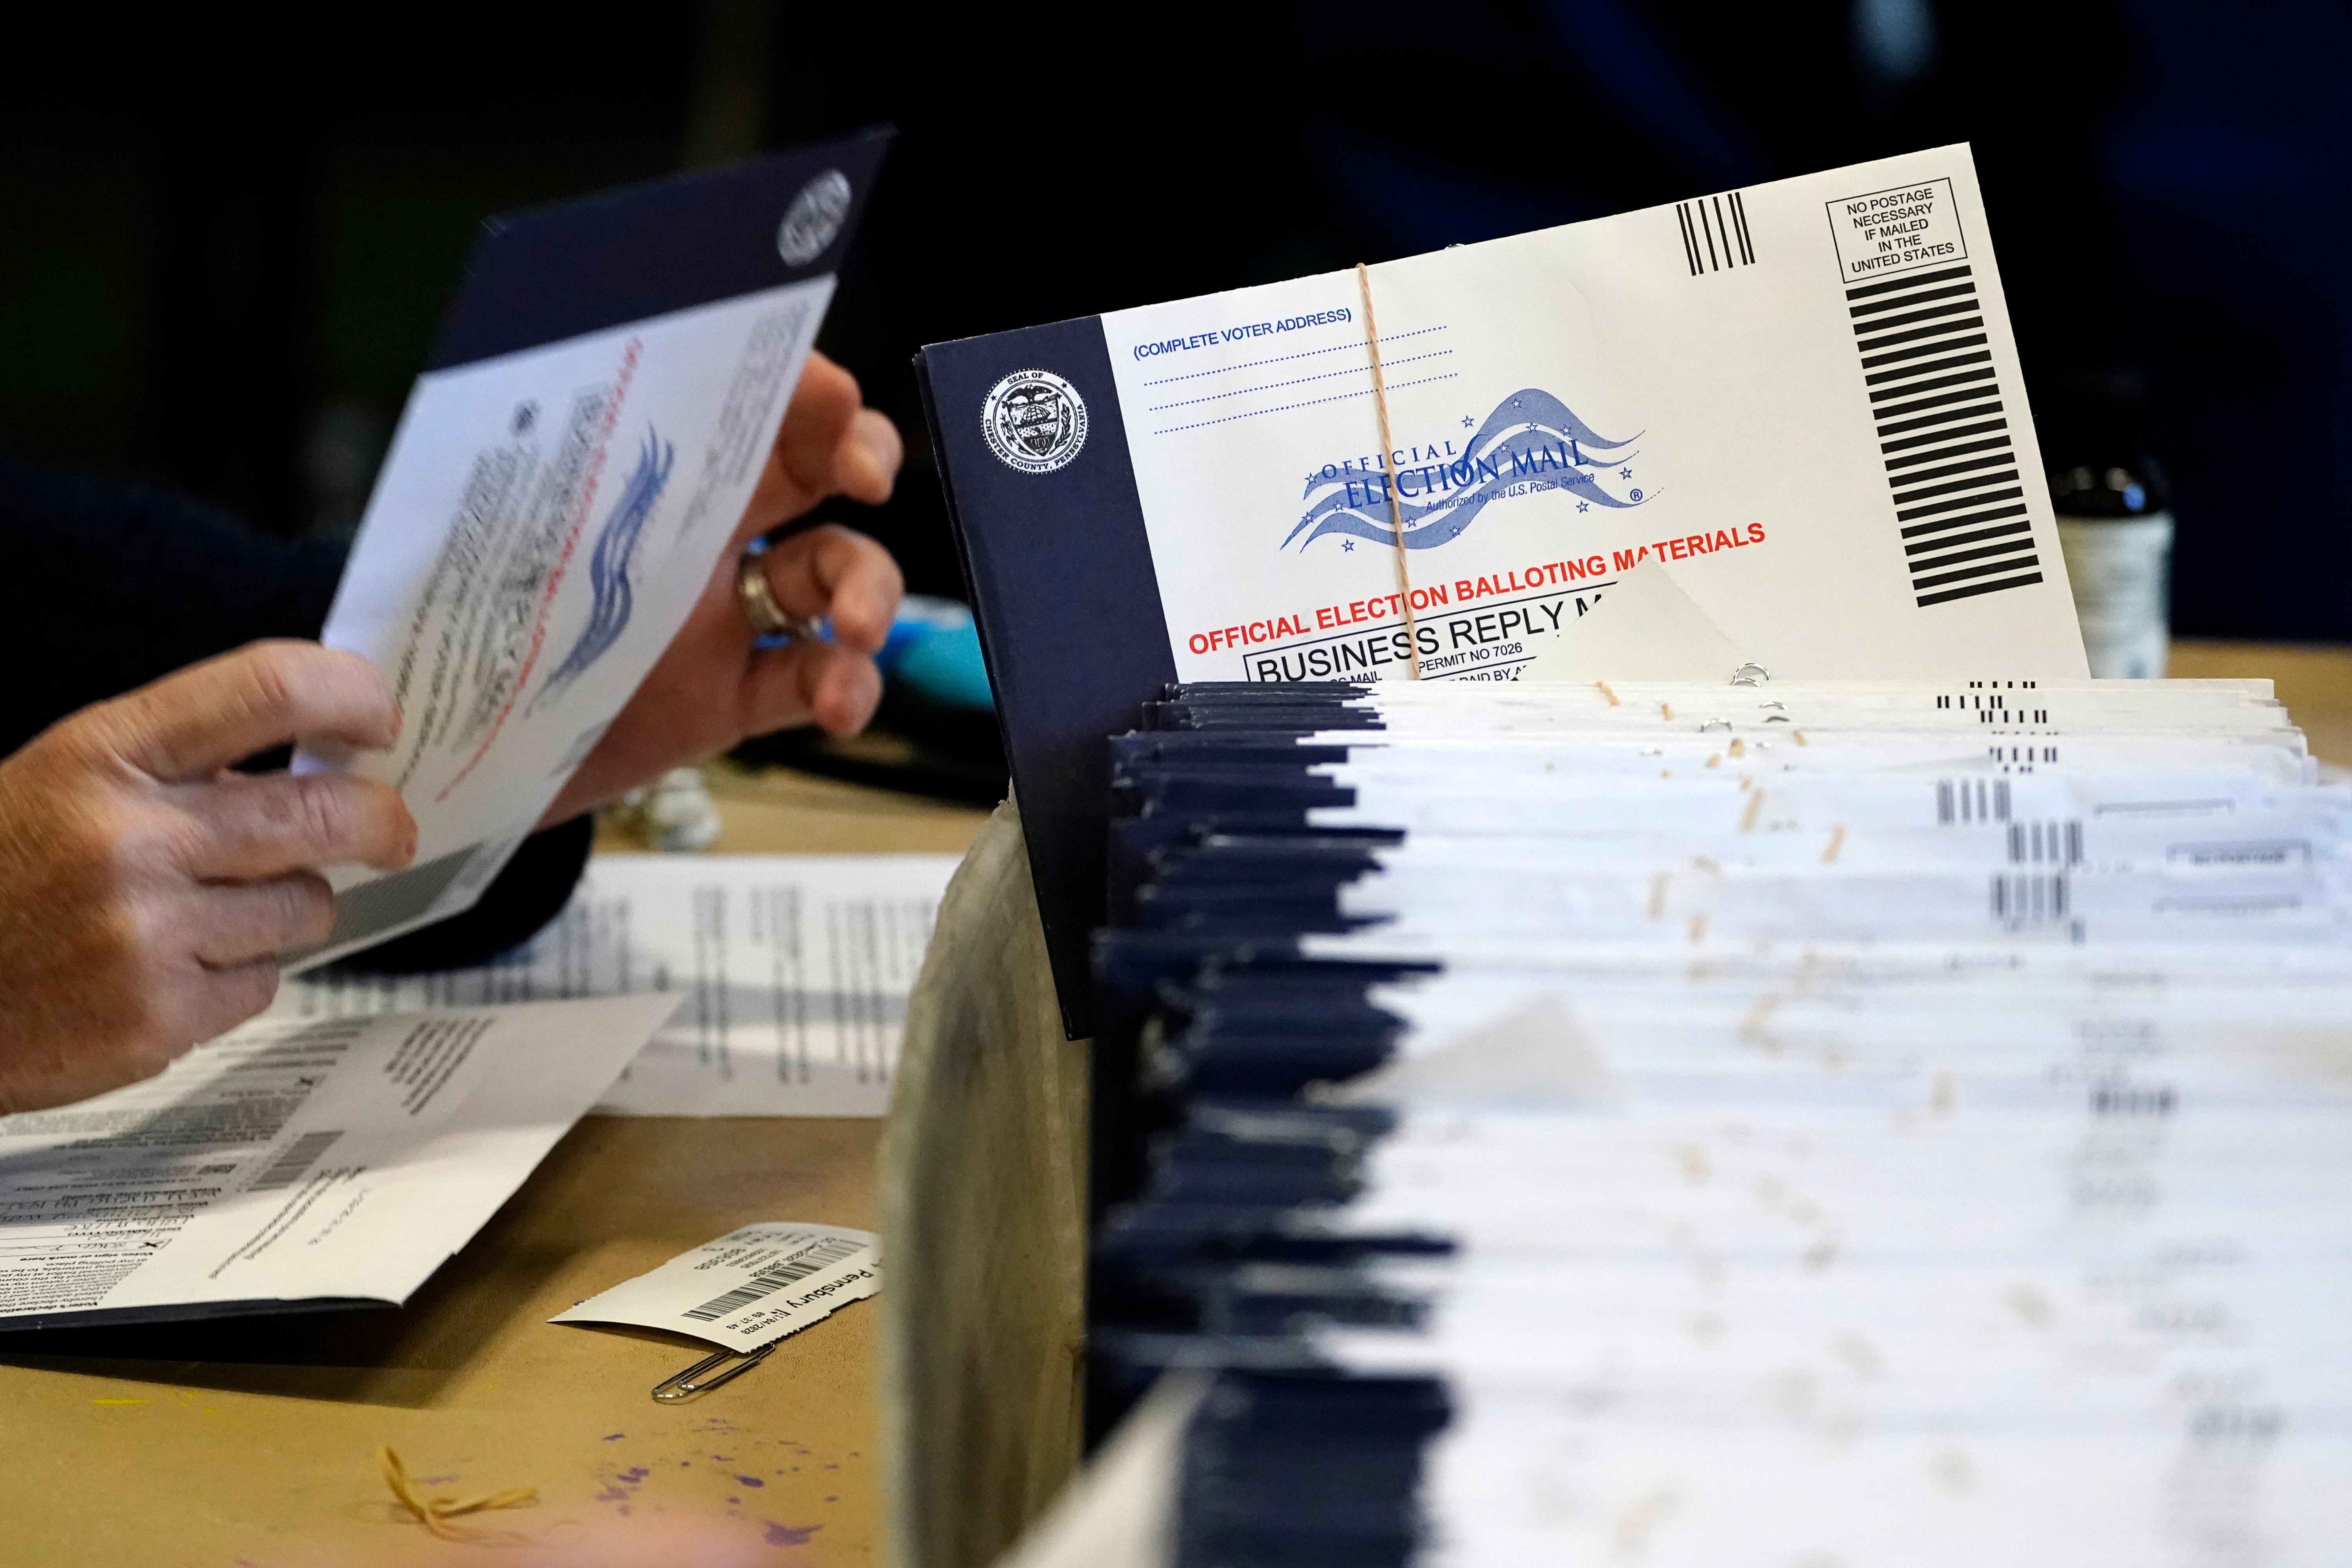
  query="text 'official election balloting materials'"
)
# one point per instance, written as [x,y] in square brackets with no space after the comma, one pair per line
[1800,400]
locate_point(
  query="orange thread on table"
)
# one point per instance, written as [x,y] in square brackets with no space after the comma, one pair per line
[434,1513]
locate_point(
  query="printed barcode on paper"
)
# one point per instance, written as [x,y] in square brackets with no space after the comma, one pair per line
[294,1163]
[1943,434]
[1714,233]
[824,1254]
[2029,900]
[1972,800]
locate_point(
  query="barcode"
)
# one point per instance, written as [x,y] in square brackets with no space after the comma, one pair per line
[2045,843]
[818,1256]
[1993,708]
[1715,234]
[1972,800]
[1944,435]
[2029,900]
[295,1164]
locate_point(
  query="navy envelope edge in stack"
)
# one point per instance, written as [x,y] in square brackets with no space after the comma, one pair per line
[1215,1163]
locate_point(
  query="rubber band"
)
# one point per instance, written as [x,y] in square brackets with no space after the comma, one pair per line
[434,1513]
[1387,466]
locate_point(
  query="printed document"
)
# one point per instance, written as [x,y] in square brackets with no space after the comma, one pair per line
[294,1165]
[793,973]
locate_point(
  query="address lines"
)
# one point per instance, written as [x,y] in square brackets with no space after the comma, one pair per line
[1300,381]
[1309,403]
[1286,359]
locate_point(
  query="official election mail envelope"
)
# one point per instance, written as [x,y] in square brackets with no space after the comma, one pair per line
[594,417]
[1802,399]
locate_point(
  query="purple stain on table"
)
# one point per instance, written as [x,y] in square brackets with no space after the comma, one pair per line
[612,1494]
[751,1480]
[634,1474]
[790,1536]
[615,1436]
[833,1500]
[722,1458]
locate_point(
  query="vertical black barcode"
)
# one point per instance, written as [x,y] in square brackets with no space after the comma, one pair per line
[776,1278]
[2029,899]
[1714,233]
[295,1164]
[1972,800]
[2045,843]
[1942,433]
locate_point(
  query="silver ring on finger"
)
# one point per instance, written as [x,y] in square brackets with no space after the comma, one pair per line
[768,617]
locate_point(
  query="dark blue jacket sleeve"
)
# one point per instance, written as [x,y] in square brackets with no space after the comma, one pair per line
[105,586]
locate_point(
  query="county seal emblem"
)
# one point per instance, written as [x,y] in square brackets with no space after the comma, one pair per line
[1034,421]
[814,219]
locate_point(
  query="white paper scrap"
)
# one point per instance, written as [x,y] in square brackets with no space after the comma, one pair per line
[748,1288]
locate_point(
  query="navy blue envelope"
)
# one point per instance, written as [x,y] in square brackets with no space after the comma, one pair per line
[542,276]
[1063,587]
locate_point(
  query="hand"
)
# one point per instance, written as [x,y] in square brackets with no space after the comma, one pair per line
[711,687]
[145,891]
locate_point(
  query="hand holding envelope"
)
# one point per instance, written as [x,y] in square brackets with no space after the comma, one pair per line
[612,410]
[145,890]
[712,687]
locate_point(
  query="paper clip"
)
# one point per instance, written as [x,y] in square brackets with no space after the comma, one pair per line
[682,1384]
[1750,674]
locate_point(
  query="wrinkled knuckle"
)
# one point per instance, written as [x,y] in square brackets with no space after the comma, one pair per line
[273,673]
[109,847]
[323,818]
[306,908]
[126,944]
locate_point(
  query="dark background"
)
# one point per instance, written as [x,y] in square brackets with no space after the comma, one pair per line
[224,245]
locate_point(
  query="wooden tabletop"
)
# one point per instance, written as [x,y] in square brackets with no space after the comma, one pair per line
[253,1442]
[2315,681]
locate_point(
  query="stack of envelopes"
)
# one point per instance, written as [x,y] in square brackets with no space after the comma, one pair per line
[1694,1123]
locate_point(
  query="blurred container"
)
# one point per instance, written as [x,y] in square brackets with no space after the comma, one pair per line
[2115,526]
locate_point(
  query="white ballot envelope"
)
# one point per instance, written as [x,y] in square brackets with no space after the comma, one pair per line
[565,476]
[1800,401]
